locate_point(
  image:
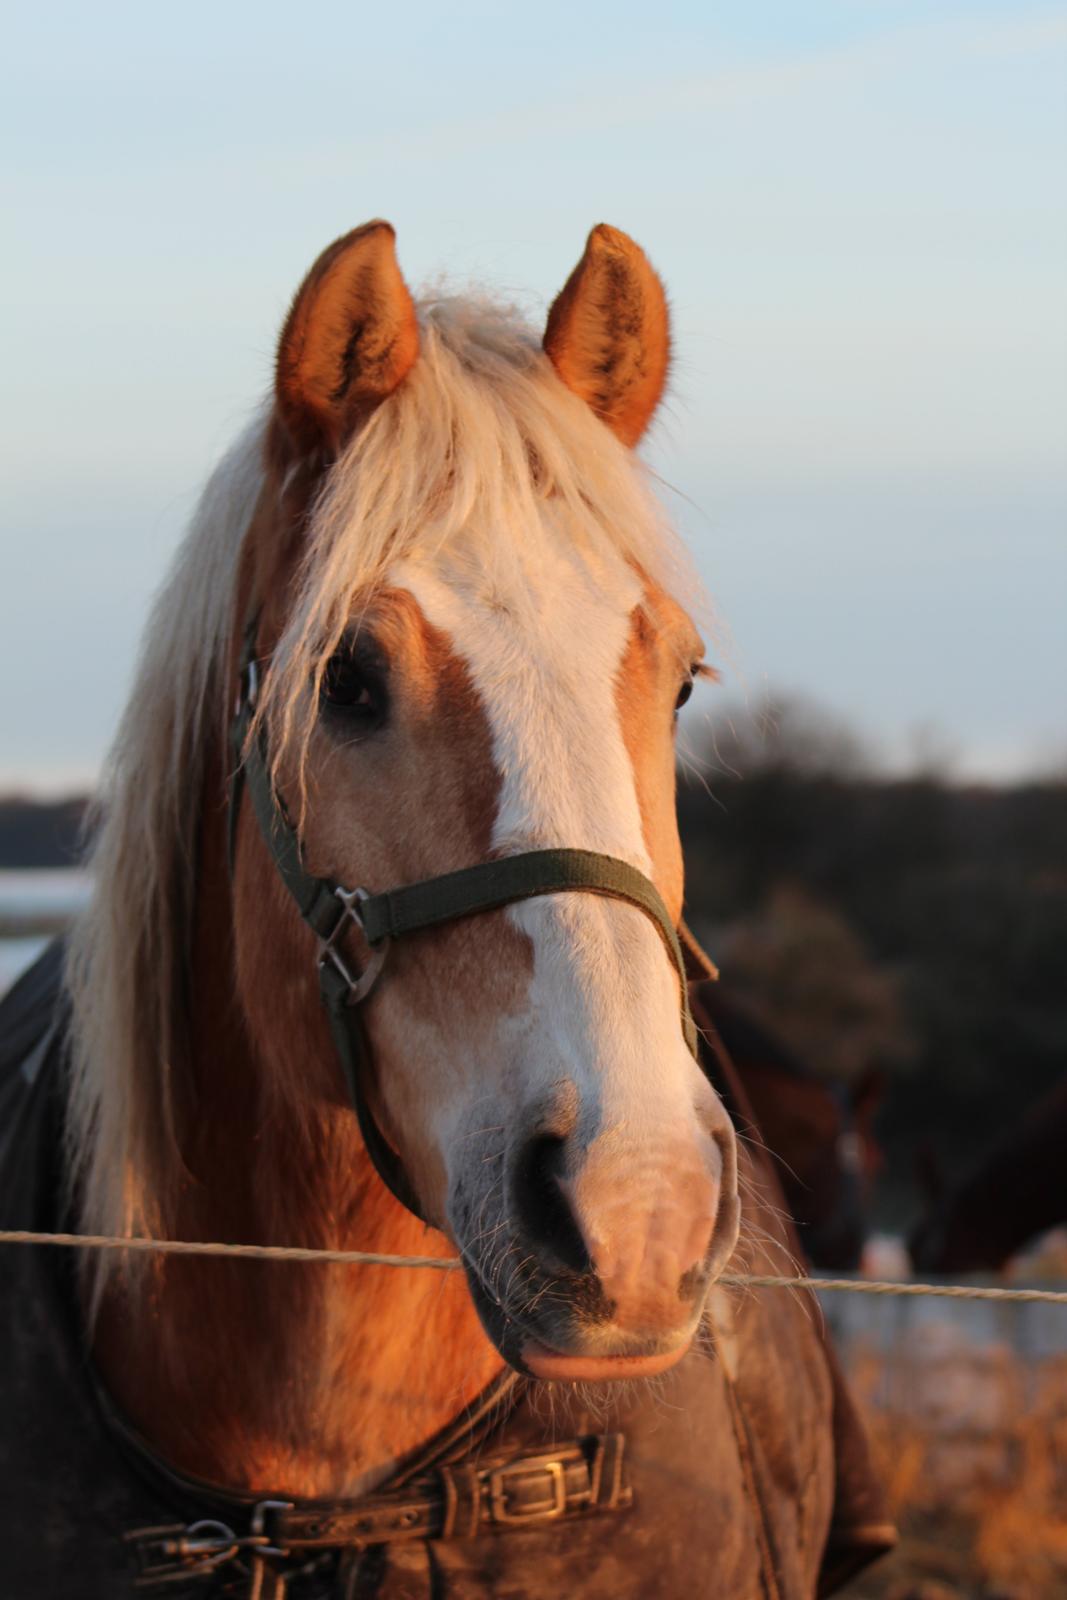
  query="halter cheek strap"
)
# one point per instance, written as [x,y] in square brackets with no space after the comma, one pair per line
[331,911]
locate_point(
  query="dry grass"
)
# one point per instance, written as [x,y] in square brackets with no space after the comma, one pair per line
[973,1445]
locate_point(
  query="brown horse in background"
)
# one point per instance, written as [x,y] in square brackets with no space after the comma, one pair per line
[819,1133]
[1016,1192]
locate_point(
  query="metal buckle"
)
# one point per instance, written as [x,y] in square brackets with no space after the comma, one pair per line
[360,986]
[258,1527]
[543,1511]
[174,1553]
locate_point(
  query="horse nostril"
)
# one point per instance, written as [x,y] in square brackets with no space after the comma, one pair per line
[541,1205]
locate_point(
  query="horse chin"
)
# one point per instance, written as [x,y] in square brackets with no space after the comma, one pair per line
[529,1355]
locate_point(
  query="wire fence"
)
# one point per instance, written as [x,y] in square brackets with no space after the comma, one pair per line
[372,1258]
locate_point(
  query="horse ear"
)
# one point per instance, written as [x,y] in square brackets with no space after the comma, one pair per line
[608,333]
[350,338]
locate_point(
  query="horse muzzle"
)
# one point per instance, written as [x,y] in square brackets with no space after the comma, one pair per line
[602,1266]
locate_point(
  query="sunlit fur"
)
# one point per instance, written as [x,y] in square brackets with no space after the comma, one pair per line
[481,442]
[128,952]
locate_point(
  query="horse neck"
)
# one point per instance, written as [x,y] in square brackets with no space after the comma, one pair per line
[295,1378]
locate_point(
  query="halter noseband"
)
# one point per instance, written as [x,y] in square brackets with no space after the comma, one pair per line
[330,911]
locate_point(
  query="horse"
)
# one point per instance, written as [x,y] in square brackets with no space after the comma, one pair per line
[1015,1192]
[819,1132]
[385,953]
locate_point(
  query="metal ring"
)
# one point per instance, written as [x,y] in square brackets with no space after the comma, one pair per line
[359,984]
[212,1551]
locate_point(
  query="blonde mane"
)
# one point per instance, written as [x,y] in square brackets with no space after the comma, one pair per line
[480,450]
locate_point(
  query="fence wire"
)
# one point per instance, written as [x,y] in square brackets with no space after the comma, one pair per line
[373,1258]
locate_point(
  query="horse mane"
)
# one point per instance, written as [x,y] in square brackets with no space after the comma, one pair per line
[126,960]
[481,441]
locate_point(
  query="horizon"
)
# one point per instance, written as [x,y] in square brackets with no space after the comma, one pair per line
[927,757]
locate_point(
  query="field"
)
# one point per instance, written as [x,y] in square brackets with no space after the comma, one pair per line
[971,1435]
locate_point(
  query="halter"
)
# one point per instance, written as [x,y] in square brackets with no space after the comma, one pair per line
[331,911]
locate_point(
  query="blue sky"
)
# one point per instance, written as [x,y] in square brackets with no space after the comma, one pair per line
[859,211]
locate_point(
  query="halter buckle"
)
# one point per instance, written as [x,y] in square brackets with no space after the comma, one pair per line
[259,1529]
[359,985]
[545,1510]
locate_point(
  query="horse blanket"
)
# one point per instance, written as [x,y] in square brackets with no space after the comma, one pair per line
[743,1473]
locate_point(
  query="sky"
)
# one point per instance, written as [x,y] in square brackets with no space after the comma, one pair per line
[859,211]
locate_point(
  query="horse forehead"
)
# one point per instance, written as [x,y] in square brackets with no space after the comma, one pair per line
[544,649]
[556,619]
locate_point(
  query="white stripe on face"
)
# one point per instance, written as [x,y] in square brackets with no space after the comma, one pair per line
[544,645]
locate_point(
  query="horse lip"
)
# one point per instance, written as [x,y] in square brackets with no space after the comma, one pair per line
[553,1366]
[515,1336]
[530,1355]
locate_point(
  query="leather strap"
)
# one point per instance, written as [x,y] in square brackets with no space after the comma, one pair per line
[578,1478]
[486,886]
[353,1050]
[463,1501]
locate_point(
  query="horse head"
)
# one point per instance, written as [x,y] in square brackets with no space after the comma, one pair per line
[466,654]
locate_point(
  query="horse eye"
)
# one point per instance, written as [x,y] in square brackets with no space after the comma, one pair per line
[347,687]
[683,694]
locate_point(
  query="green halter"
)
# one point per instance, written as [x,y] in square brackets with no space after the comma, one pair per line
[331,911]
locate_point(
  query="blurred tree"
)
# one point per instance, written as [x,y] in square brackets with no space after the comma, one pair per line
[801,966]
[787,733]
[40,833]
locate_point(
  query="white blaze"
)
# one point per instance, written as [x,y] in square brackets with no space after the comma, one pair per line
[544,639]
